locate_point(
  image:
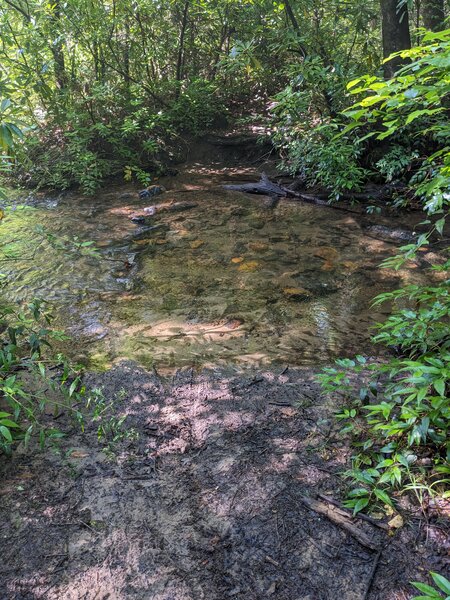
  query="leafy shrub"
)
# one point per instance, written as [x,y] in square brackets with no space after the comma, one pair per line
[197,108]
[321,159]
[306,129]
[412,106]
[95,140]
[34,381]
[399,418]
[395,161]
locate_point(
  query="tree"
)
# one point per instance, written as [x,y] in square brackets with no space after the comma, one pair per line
[395,33]
[433,14]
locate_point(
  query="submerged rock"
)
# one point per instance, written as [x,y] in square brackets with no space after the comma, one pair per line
[296,293]
[153,190]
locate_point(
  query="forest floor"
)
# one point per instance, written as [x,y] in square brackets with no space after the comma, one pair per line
[205,504]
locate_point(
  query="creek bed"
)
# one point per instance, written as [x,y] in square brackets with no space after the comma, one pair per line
[225,281]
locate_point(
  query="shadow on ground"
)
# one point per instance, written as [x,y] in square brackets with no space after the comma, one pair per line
[204,505]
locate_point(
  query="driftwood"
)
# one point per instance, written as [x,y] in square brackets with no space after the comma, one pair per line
[341,518]
[266,187]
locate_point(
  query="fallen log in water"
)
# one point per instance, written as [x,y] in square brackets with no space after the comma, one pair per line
[266,187]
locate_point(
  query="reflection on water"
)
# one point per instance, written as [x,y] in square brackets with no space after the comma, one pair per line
[224,280]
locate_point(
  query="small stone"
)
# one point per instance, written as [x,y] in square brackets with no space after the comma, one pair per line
[237,259]
[196,244]
[296,293]
[258,246]
[327,253]
[349,265]
[249,266]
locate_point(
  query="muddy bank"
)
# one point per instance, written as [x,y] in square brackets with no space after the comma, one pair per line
[205,504]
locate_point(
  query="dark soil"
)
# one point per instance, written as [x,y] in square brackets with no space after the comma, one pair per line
[205,504]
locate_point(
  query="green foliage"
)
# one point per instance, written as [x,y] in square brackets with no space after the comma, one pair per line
[34,381]
[321,159]
[105,90]
[395,161]
[110,426]
[397,412]
[411,106]
[197,109]
[433,593]
[86,147]
[9,133]
[306,129]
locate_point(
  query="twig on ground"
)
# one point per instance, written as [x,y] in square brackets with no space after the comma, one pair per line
[341,518]
[367,518]
[372,574]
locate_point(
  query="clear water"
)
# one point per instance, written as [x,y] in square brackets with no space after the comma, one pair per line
[225,281]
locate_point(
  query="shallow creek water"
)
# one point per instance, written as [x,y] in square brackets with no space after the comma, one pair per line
[225,281]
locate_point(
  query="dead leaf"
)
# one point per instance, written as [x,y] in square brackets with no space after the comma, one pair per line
[78,454]
[196,244]
[237,259]
[396,522]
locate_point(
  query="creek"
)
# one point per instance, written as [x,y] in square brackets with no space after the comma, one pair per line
[225,281]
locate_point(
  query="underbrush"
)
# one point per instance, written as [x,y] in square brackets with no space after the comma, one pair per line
[38,385]
[107,133]
[397,131]
[397,413]
[398,418]
[35,383]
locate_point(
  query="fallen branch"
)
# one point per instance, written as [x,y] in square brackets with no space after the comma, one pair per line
[341,518]
[372,573]
[266,187]
[371,520]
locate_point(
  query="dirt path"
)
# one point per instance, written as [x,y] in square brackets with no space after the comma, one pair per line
[204,505]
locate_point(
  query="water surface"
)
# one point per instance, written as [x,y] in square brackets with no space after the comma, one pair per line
[225,281]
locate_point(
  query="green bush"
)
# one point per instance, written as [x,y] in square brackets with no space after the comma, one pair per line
[397,411]
[34,381]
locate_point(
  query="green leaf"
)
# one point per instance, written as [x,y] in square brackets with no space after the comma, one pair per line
[427,589]
[6,433]
[442,583]
[383,496]
[8,423]
[362,503]
[439,386]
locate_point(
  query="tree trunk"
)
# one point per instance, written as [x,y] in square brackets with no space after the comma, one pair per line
[179,71]
[126,55]
[395,33]
[292,18]
[57,49]
[433,14]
